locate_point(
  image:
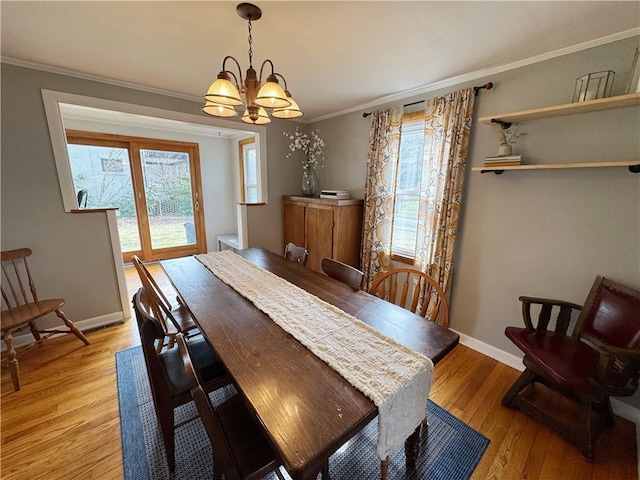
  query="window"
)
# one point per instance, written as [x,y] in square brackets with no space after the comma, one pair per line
[154,184]
[112,165]
[248,170]
[409,177]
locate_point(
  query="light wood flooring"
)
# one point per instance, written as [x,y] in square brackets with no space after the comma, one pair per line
[64,424]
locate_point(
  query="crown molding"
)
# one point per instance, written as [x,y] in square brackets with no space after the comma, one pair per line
[449,82]
[468,77]
[95,78]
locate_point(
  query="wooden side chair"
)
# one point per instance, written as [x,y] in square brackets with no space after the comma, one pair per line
[296,254]
[170,384]
[343,272]
[241,450]
[600,358]
[410,288]
[174,318]
[21,307]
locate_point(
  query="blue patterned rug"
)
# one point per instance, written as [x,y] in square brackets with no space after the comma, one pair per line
[451,450]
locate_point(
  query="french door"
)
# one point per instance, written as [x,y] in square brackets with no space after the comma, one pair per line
[155,184]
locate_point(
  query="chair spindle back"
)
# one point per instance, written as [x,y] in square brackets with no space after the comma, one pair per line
[18,287]
[414,290]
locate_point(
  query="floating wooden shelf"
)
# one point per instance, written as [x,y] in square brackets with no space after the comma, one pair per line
[567,109]
[634,166]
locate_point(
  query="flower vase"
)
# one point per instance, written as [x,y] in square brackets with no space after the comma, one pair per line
[309,184]
[504,150]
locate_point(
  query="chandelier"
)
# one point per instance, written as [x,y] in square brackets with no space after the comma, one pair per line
[223,96]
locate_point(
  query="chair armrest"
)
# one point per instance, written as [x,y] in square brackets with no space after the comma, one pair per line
[615,351]
[563,317]
[618,369]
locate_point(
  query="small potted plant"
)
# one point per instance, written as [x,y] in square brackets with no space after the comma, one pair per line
[507,137]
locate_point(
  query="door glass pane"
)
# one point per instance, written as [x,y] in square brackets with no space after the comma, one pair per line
[167,183]
[103,175]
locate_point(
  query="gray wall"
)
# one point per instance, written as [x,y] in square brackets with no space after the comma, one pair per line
[265,221]
[539,232]
[72,253]
[543,233]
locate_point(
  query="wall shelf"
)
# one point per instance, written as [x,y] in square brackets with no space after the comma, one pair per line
[505,119]
[619,101]
[633,165]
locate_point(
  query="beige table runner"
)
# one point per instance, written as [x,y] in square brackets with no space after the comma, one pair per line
[395,378]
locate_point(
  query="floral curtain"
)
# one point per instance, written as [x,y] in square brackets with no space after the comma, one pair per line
[446,147]
[380,189]
[447,131]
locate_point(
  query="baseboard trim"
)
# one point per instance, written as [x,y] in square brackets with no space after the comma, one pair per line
[509,359]
[620,408]
[88,324]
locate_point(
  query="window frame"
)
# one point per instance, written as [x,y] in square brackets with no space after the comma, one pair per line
[134,145]
[407,118]
[242,144]
[54,103]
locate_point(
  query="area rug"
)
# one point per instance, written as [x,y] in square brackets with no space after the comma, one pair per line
[451,450]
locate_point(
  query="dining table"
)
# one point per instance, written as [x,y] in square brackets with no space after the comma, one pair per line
[306,408]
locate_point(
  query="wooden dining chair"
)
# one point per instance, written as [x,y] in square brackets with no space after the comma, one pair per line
[173,318]
[240,448]
[296,254]
[599,359]
[343,272]
[170,384]
[410,288]
[21,308]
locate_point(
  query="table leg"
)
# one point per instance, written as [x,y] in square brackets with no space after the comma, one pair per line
[325,471]
[384,468]
[412,448]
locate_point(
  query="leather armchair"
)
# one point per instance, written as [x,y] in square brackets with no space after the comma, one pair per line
[598,359]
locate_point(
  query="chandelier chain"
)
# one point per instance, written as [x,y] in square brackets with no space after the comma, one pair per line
[250,49]
[223,96]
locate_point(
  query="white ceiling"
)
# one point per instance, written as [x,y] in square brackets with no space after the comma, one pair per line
[336,56]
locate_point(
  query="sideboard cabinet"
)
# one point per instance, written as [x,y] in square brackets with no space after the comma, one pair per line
[325,227]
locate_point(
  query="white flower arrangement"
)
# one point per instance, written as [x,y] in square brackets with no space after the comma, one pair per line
[311,145]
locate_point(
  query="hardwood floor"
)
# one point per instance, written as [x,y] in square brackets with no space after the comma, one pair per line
[64,423]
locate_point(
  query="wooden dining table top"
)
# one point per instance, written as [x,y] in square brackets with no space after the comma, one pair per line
[306,407]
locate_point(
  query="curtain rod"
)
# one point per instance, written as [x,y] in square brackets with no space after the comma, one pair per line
[487,86]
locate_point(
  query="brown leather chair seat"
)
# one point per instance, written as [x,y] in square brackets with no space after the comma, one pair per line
[570,363]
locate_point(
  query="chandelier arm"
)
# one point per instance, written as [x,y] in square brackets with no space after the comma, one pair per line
[262,66]
[241,84]
[283,79]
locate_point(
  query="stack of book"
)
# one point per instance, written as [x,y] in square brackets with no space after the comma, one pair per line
[338,194]
[507,161]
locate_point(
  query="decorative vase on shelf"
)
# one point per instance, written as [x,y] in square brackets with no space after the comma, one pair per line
[309,184]
[504,150]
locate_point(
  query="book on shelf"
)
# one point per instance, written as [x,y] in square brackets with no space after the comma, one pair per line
[506,161]
[509,158]
[502,164]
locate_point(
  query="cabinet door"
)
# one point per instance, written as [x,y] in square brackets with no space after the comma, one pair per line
[319,223]
[293,224]
[347,233]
